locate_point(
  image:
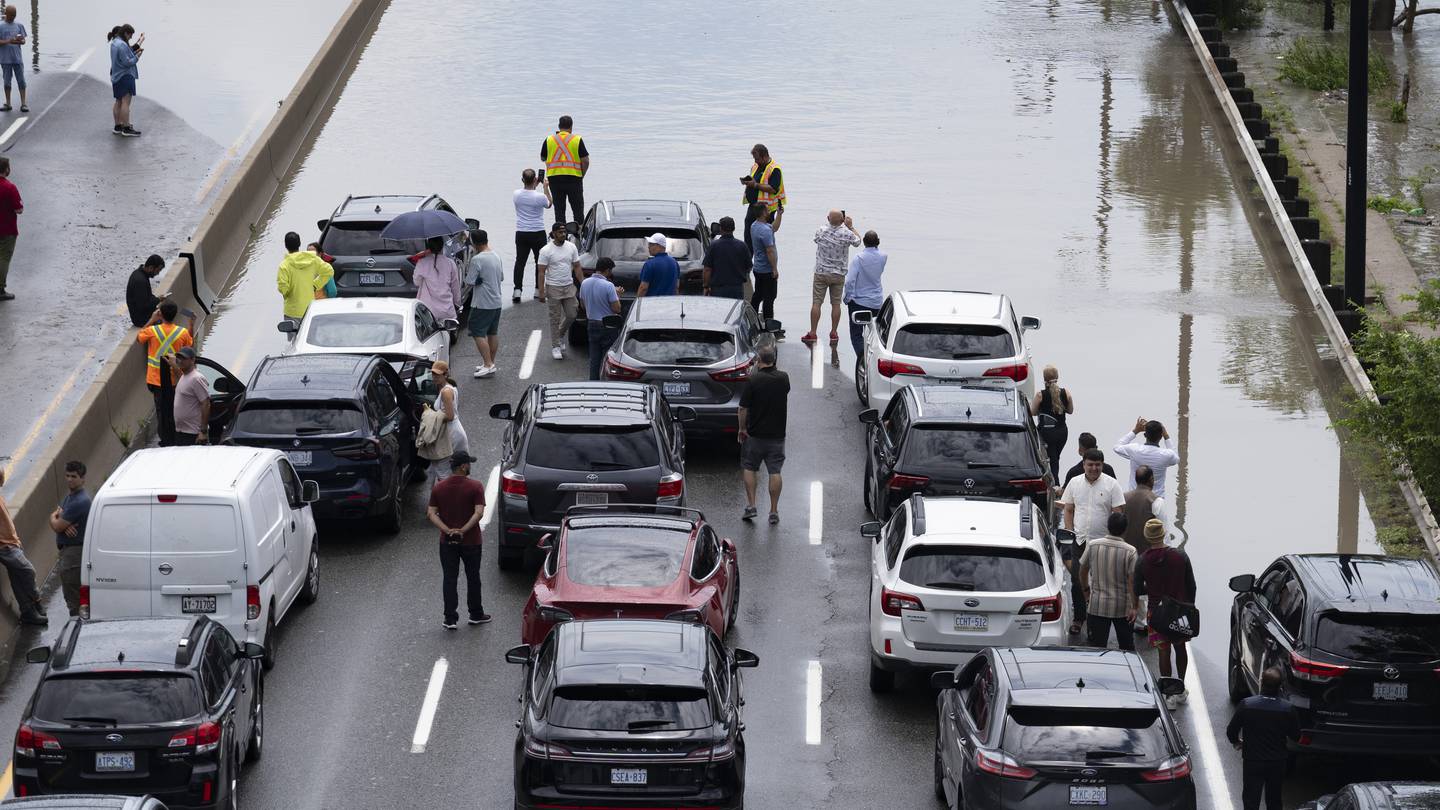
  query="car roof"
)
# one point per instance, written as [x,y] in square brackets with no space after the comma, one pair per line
[152,641]
[699,311]
[640,213]
[961,306]
[969,519]
[1075,676]
[1370,583]
[594,403]
[308,376]
[630,651]
[372,207]
[188,468]
[980,404]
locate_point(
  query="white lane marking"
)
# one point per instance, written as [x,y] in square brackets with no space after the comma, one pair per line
[10,130]
[74,66]
[817,367]
[492,491]
[56,100]
[817,506]
[532,347]
[1213,768]
[812,704]
[217,171]
[427,708]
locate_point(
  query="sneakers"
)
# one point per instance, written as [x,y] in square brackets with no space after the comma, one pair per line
[483,618]
[774,518]
[24,108]
[809,337]
[515,299]
[834,338]
[485,371]
[448,624]
[6,296]
[749,513]
[1181,698]
[119,130]
[129,131]
[557,353]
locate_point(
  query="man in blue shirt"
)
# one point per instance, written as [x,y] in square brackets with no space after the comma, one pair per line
[660,275]
[863,292]
[766,262]
[12,59]
[68,522]
[600,297]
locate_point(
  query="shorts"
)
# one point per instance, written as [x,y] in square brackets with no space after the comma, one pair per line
[756,450]
[827,281]
[484,322]
[124,87]
[15,73]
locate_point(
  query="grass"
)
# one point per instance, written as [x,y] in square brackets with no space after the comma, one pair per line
[1320,66]
[1387,204]
[1395,529]
[1398,114]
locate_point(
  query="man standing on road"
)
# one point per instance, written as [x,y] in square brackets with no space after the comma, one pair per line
[162,337]
[765,261]
[1086,442]
[660,274]
[566,162]
[457,505]
[557,274]
[1165,573]
[484,274]
[1107,575]
[1261,727]
[17,565]
[762,415]
[727,263]
[764,185]
[1141,505]
[1155,453]
[301,273]
[10,210]
[1088,501]
[832,259]
[530,206]
[139,298]
[863,290]
[192,402]
[12,60]
[68,522]
[601,297]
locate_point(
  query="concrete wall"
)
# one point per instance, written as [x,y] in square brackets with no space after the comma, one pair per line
[118,400]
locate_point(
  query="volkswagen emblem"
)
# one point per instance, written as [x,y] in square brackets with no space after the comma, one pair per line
[1390,672]
[1088,772]
[114,738]
[370,262]
[675,374]
[972,603]
[969,483]
[166,569]
[592,477]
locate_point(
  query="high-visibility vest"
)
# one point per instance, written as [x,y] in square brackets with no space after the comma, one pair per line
[162,345]
[563,149]
[772,201]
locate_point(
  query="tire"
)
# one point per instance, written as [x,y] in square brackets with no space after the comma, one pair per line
[734,605]
[1235,684]
[256,746]
[311,592]
[271,642]
[939,776]
[881,681]
[510,559]
[392,519]
[862,382]
[232,794]
[866,486]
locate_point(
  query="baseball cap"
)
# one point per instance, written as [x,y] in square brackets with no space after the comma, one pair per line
[188,353]
[462,457]
[657,239]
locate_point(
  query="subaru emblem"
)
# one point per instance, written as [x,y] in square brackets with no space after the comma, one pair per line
[370,262]
[972,603]
[592,477]
[969,483]
[1088,772]
[675,374]
[1390,672]
[114,738]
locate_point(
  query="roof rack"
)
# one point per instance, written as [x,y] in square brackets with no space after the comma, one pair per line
[917,514]
[1027,518]
[654,509]
[189,643]
[64,648]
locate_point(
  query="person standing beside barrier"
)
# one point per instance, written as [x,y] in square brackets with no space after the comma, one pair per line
[162,337]
[68,522]
[566,161]
[530,208]
[301,273]
[124,72]
[12,60]
[17,565]
[863,290]
[192,401]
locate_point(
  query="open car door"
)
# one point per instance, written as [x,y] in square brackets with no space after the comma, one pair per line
[226,391]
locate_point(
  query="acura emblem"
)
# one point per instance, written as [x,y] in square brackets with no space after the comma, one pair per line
[1390,672]
[370,262]
[592,477]
[675,374]
[969,483]
[166,569]
[114,737]
[972,603]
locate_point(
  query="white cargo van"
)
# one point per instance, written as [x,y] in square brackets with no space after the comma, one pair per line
[220,531]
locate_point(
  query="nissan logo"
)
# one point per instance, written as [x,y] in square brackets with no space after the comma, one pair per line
[969,483]
[166,569]
[370,262]
[114,738]
[972,603]
[1390,672]
[675,374]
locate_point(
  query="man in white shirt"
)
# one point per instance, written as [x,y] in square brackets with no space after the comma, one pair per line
[1155,453]
[557,275]
[1088,500]
[530,206]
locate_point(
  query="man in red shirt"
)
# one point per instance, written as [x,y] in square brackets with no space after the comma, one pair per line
[10,210]
[457,505]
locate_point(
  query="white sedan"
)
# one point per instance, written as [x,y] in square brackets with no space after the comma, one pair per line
[397,329]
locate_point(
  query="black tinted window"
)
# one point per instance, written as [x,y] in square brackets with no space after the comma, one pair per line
[592,448]
[679,346]
[948,452]
[1389,638]
[630,708]
[299,419]
[118,699]
[948,341]
[363,239]
[625,556]
[1122,736]
[355,329]
[972,569]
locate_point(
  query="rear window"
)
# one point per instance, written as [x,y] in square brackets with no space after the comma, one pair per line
[592,448]
[117,699]
[299,419]
[174,527]
[629,708]
[681,347]
[1085,735]
[355,329]
[363,239]
[944,452]
[625,556]
[999,570]
[954,341]
[629,245]
[1379,637]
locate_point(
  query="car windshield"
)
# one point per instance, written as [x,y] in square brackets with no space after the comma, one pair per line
[947,452]
[1382,637]
[1120,736]
[355,329]
[586,447]
[363,239]
[630,708]
[625,556]
[299,419]
[684,347]
[121,698]
[629,245]
[977,568]
[954,341]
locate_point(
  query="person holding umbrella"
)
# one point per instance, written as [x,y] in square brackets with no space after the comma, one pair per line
[437,278]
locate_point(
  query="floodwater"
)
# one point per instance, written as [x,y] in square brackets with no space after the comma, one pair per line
[1065,153]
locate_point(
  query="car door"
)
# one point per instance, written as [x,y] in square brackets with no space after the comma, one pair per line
[1258,619]
[299,533]
[877,342]
[219,677]
[381,400]
[971,719]
[226,392]
[708,575]
[887,439]
[432,339]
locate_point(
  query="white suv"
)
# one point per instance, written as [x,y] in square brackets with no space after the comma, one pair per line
[942,336]
[951,576]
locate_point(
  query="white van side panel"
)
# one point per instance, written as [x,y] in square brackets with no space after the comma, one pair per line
[270,502]
[199,539]
[116,557]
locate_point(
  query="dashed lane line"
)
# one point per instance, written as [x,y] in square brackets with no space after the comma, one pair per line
[532,347]
[812,704]
[13,128]
[74,66]
[817,512]
[427,708]
[817,367]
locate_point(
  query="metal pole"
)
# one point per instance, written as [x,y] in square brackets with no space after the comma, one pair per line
[1329,15]
[1355,152]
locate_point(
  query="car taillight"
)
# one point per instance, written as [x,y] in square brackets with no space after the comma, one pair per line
[535,748]
[615,371]
[368,450]
[1034,485]
[28,739]
[1048,608]
[167,498]
[889,368]
[1017,373]
[671,486]
[1001,765]
[713,753]
[252,603]
[903,481]
[84,601]
[513,484]
[1170,770]
[207,737]
[892,602]
[554,615]
[739,373]
[1308,670]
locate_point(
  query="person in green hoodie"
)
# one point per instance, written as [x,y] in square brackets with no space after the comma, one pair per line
[301,274]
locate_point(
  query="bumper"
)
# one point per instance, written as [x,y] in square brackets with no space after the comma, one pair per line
[548,798]
[713,419]
[1366,739]
[29,783]
[356,498]
[518,532]
[891,651]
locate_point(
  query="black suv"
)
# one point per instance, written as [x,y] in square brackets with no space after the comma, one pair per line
[1380,796]
[346,421]
[367,265]
[953,440]
[1358,638]
[580,444]
[166,707]
[626,711]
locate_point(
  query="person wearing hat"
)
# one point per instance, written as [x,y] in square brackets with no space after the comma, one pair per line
[139,299]
[1163,572]
[557,277]
[457,505]
[660,275]
[192,401]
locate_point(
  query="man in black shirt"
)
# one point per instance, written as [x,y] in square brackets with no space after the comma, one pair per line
[727,264]
[138,298]
[1087,442]
[1261,727]
[762,429]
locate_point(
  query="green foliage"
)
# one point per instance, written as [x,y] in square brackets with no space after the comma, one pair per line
[1398,113]
[1319,65]
[1387,204]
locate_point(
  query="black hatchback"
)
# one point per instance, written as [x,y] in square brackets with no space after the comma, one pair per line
[953,440]
[158,706]
[630,713]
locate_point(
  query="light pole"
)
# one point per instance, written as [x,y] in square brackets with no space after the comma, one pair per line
[1356,140]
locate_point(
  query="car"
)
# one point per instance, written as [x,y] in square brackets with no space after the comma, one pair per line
[952,576]
[86,801]
[1380,796]
[346,421]
[1057,727]
[1357,637]
[397,329]
[921,337]
[630,713]
[953,440]
[583,444]
[170,707]
[700,351]
[629,561]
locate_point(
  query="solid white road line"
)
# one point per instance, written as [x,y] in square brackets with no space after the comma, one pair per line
[817,506]
[1211,766]
[532,347]
[10,130]
[427,708]
[492,490]
[74,66]
[817,366]
[812,704]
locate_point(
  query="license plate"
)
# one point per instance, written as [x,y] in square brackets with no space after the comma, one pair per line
[676,389]
[372,279]
[197,604]
[113,761]
[1392,691]
[1088,795]
[300,458]
[972,621]
[629,776]
[591,498]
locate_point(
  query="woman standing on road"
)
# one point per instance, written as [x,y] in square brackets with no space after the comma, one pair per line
[447,401]
[124,70]
[1051,405]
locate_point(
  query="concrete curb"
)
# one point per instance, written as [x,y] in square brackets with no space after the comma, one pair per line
[1223,84]
[117,400]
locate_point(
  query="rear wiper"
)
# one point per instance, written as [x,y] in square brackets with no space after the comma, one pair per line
[1089,755]
[98,721]
[641,725]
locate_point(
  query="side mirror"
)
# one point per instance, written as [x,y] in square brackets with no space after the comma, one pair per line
[683,413]
[309,491]
[944,679]
[251,650]
[862,317]
[518,655]
[1027,323]
[288,326]
[223,385]
[449,325]
[870,416]
[472,223]
[729,546]
[322,224]
[1065,535]
[1243,583]
[612,321]
[870,529]
[772,325]
[501,410]
[37,655]
[744,658]
[546,541]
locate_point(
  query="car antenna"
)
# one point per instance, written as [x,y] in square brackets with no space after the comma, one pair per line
[1079,683]
[121,657]
[1384,594]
